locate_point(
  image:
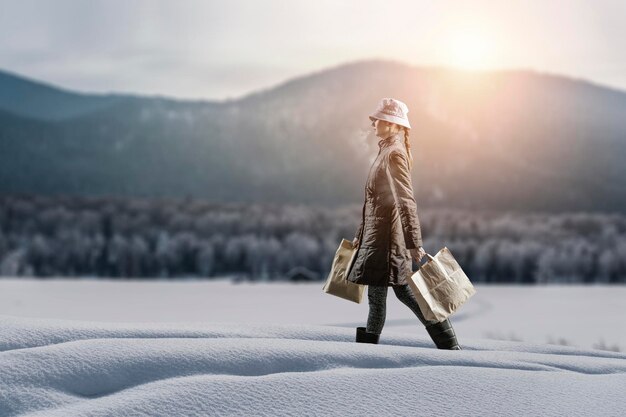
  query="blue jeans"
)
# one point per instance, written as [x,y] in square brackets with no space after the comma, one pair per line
[377,296]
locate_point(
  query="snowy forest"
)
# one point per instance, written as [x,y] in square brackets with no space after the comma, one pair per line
[124,238]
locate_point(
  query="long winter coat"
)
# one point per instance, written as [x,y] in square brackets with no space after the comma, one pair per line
[390,225]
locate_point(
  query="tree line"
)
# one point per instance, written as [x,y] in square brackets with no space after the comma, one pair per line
[119,237]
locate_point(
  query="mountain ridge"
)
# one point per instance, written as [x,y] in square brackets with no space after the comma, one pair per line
[5,73]
[559,141]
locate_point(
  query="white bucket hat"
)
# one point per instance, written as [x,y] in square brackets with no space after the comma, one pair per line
[392,110]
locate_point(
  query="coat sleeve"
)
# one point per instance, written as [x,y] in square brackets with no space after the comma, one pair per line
[360,229]
[399,177]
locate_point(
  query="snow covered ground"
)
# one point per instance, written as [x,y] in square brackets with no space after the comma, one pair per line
[96,348]
[580,316]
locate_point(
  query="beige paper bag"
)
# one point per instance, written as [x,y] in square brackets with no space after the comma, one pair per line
[336,283]
[440,286]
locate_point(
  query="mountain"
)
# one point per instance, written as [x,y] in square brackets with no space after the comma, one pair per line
[35,99]
[516,140]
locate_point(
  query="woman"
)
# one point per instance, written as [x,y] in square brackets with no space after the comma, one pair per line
[389,236]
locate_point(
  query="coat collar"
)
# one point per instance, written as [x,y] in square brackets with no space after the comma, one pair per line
[398,137]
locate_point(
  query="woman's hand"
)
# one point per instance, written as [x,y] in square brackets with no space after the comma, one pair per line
[417,253]
[355,242]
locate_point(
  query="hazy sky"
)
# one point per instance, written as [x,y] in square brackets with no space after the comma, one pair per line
[215,50]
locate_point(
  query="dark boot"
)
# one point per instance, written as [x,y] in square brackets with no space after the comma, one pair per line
[363,336]
[443,335]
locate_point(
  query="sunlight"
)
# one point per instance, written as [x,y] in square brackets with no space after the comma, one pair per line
[470,51]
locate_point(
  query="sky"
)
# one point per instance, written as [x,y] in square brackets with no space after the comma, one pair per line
[221,50]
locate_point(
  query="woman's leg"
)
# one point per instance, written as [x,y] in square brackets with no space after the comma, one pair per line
[405,294]
[377,296]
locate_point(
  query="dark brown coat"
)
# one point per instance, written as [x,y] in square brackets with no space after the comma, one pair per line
[390,225]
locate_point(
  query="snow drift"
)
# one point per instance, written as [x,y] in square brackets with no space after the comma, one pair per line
[63,368]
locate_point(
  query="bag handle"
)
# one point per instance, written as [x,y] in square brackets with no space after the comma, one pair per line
[428,257]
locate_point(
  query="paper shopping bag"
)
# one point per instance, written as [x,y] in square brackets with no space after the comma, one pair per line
[440,286]
[336,283]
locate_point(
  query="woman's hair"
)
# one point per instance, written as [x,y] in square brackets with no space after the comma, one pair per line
[407,145]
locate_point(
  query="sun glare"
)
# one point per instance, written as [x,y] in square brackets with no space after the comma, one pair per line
[470,51]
